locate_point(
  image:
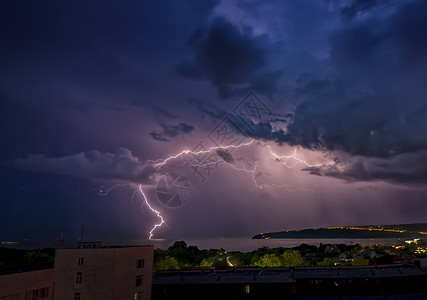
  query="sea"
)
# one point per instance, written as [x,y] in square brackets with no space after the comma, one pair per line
[242,244]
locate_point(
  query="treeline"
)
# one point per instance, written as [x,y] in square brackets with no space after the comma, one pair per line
[12,259]
[179,256]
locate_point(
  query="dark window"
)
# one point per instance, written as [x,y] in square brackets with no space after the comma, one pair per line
[140,263]
[37,294]
[80,261]
[44,293]
[77,296]
[79,278]
[138,281]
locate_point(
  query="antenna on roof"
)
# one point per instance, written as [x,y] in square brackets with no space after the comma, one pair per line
[61,241]
[81,236]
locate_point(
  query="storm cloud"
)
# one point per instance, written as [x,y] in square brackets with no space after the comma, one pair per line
[400,169]
[371,102]
[344,83]
[120,165]
[170,131]
[229,57]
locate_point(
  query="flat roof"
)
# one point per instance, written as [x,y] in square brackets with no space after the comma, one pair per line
[281,275]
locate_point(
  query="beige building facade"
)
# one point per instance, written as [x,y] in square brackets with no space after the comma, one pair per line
[32,285]
[103,273]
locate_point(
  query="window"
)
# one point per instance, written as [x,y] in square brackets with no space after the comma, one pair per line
[80,261]
[138,281]
[77,296]
[140,263]
[79,278]
[42,293]
[138,296]
[246,288]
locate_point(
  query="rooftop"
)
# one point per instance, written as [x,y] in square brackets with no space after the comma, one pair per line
[281,275]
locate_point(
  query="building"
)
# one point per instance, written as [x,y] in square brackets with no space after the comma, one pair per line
[421,263]
[364,282]
[27,285]
[103,273]
[222,260]
[251,283]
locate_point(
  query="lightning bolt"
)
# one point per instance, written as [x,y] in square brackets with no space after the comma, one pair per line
[284,160]
[253,172]
[161,162]
[153,210]
[103,192]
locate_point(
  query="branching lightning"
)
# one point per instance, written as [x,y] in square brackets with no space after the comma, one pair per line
[288,161]
[253,172]
[103,192]
[283,159]
[161,162]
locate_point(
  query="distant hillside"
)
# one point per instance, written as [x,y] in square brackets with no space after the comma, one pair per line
[402,231]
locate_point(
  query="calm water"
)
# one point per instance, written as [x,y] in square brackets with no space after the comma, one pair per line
[230,244]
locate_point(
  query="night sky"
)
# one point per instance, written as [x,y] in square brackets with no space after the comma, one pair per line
[96,94]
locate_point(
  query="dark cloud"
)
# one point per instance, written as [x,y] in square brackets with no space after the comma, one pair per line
[401,169]
[371,102]
[266,130]
[120,165]
[170,131]
[206,108]
[357,8]
[229,57]
[158,136]
[349,78]
[408,29]
[377,106]
[158,111]
[110,50]
[225,155]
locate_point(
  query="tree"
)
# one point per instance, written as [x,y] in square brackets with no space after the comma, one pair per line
[192,256]
[38,256]
[255,257]
[293,258]
[269,260]
[360,261]
[326,262]
[207,262]
[166,264]
[178,249]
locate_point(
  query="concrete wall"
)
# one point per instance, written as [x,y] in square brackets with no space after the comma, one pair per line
[107,273]
[18,284]
[97,270]
[126,272]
